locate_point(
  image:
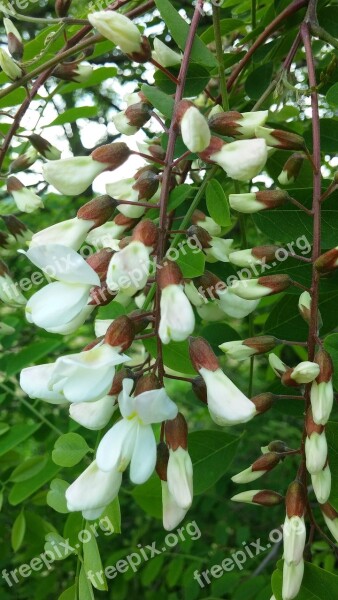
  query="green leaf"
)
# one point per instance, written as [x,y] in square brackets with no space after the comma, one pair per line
[56,496]
[92,562]
[179,30]
[111,311]
[175,355]
[191,261]
[18,531]
[112,514]
[13,363]
[226,25]
[332,96]
[16,435]
[69,594]
[331,431]
[331,345]
[28,468]
[211,453]
[317,584]
[149,497]
[69,449]
[98,76]
[160,100]
[197,79]
[217,203]
[152,570]
[58,546]
[179,195]
[85,586]
[258,81]
[73,114]
[22,490]
[4,427]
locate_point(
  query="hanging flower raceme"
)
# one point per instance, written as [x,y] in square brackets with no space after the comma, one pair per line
[294,536]
[291,169]
[179,469]
[254,289]
[241,160]
[321,394]
[10,292]
[177,319]
[201,220]
[143,187]
[129,268]
[165,56]
[261,466]
[194,127]
[83,377]
[284,140]
[14,40]
[137,114]
[253,202]
[72,176]
[236,124]
[243,349]
[315,445]
[331,519]
[132,440]
[9,66]
[226,403]
[259,255]
[73,232]
[259,497]
[92,491]
[123,33]
[214,248]
[25,199]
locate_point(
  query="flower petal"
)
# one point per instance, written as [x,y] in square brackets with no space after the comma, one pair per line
[93,489]
[34,382]
[116,447]
[143,459]
[62,263]
[94,415]
[155,406]
[56,304]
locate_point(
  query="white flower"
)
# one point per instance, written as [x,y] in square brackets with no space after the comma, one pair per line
[250,289]
[237,350]
[164,55]
[94,415]
[209,225]
[305,372]
[244,258]
[246,203]
[61,306]
[233,306]
[92,491]
[242,160]
[26,200]
[294,537]
[172,513]
[71,233]
[321,401]
[321,482]
[132,439]
[219,250]
[316,452]
[177,316]
[123,190]
[72,176]
[83,377]
[247,475]
[292,580]
[193,294]
[123,125]
[118,29]
[249,121]
[195,130]
[226,403]
[128,269]
[106,236]
[180,477]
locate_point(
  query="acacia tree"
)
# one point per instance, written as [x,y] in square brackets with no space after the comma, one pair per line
[238,145]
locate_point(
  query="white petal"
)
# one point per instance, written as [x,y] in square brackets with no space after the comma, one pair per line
[143,459]
[179,477]
[26,200]
[72,176]
[233,306]
[93,489]
[321,401]
[128,269]
[292,580]
[34,382]
[118,29]
[172,513]
[294,537]
[72,233]
[93,415]
[126,401]
[242,160]
[177,316]
[75,323]
[57,304]
[226,403]
[63,263]
[220,249]
[101,326]
[195,130]
[116,447]
[155,406]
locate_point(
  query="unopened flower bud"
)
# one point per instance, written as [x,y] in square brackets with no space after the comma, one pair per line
[263,402]
[9,66]
[304,372]
[162,461]
[253,202]
[99,210]
[62,7]
[291,169]
[331,518]
[321,394]
[254,289]
[45,148]
[327,262]
[295,500]
[254,256]
[261,497]
[146,383]
[24,161]
[117,384]
[169,274]
[180,470]
[17,228]
[120,333]
[77,72]
[147,183]
[276,138]
[25,199]
[316,449]
[278,367]
[242,349]
[321,483]
[194,127]
[236,124]
[275,446]
[201,235]
[165,56]
[304,307]
[199,388]
[118,29]
[153,148]
[176,433]
[209,285]
[201,220]
[99,261]
[139,319]
[202,355]
[14,40]
[130,120]
[101,295]
[146,232]
[261,466]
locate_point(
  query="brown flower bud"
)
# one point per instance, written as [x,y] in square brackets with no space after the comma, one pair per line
[181,109]
[99,261]
[226,123]
[272,198]
[200,389]
[101,295]
[169,274]
[72,71]
[99,210]
[266,253]
[278,446]
[266,462]
[146,232]
[323,359]
[261,344]
[138,114]
[327,262]
[202,355]
[295,500]
[15,46]
[200,234]
[117,384]
[146,383]
[144,54]
[311,426]
[45,148]
[291,168]
[176,433]
[120,333]
[62,7]
[329,511]
[215,145]
[263,402]
[114,155]
[140,321]
[277,283]
[209,284]
[285,140]
[146,184]
[24,161]
[267,498]
[124,221]
[14,184]
[162,461]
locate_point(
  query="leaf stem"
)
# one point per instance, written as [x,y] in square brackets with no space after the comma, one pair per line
[216,19]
